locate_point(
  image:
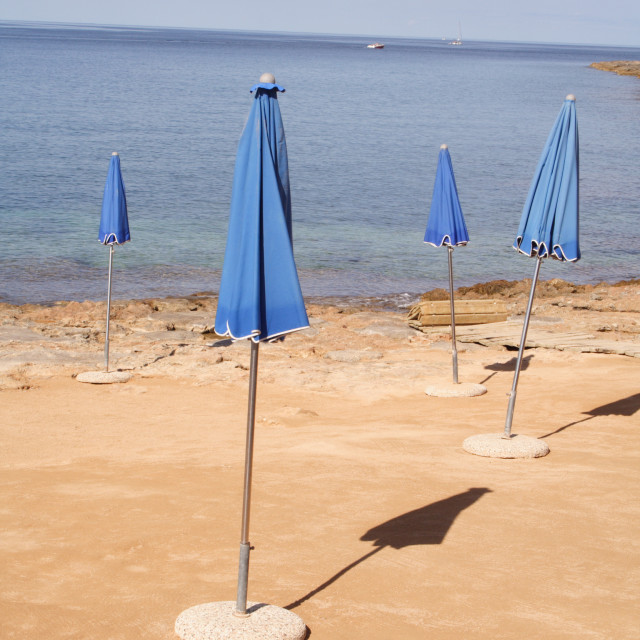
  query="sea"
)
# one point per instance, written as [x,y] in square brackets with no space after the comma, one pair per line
[363,129]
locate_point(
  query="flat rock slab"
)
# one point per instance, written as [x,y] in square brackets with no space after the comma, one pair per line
[493,445]
[398,330]
[191,321]
[452,390]
[351,355]
[509,334]
[11,334]
[216,621]
[104,377]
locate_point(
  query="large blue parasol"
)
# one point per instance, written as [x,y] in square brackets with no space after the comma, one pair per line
[260,296]
[114,226]
[549,224]
[446,227]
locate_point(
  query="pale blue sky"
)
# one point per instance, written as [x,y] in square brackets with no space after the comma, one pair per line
[612,22]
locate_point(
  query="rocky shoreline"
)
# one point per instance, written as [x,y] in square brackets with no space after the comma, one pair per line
[174,336]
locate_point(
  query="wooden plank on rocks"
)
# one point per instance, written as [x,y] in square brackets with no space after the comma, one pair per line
[430,313]
[461,319]
[443,307]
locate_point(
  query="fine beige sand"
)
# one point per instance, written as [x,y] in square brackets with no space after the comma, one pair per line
[121,504]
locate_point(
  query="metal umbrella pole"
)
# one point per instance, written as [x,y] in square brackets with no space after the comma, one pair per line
[106,342]
[512,394]
[454,351]
[245,545]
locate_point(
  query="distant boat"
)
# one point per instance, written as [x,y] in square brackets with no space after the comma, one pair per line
[375,45]
[458,40]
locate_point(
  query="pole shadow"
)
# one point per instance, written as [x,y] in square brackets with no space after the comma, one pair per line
[509,365]
[625,407]
[426,525]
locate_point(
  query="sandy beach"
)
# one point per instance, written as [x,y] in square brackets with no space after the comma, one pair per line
[121,503]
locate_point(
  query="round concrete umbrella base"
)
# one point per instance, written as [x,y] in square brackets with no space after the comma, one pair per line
[218,621]
[103,377]
[452,390]
[494,445]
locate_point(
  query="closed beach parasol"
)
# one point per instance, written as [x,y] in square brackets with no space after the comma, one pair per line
[114,227]
[446,227]
[548,227]
[260,299]
[549,223]
[260,296]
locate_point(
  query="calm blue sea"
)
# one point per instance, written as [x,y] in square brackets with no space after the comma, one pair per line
[363,129]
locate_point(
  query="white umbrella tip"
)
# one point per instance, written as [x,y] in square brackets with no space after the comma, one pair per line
[268,78]
[444,146]
[571,97]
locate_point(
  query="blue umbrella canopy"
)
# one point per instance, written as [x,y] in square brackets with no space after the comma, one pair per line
[549,223]
[114,223]
[446,224]
[260,295]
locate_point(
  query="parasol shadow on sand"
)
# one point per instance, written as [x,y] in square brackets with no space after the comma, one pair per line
[625,407]
[509,365]
[426,525]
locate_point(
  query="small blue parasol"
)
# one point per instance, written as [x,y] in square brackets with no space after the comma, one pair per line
[446,224]
[114,226]
[549,224]
[114,223]
[446,227]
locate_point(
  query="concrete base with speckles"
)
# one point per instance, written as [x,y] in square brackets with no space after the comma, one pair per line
[493,445]
[104,377]
[452,390]
[217,621]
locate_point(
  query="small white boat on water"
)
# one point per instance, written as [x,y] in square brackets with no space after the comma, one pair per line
[458,40]
[375,45]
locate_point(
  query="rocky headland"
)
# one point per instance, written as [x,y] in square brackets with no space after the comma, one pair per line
[621,67]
